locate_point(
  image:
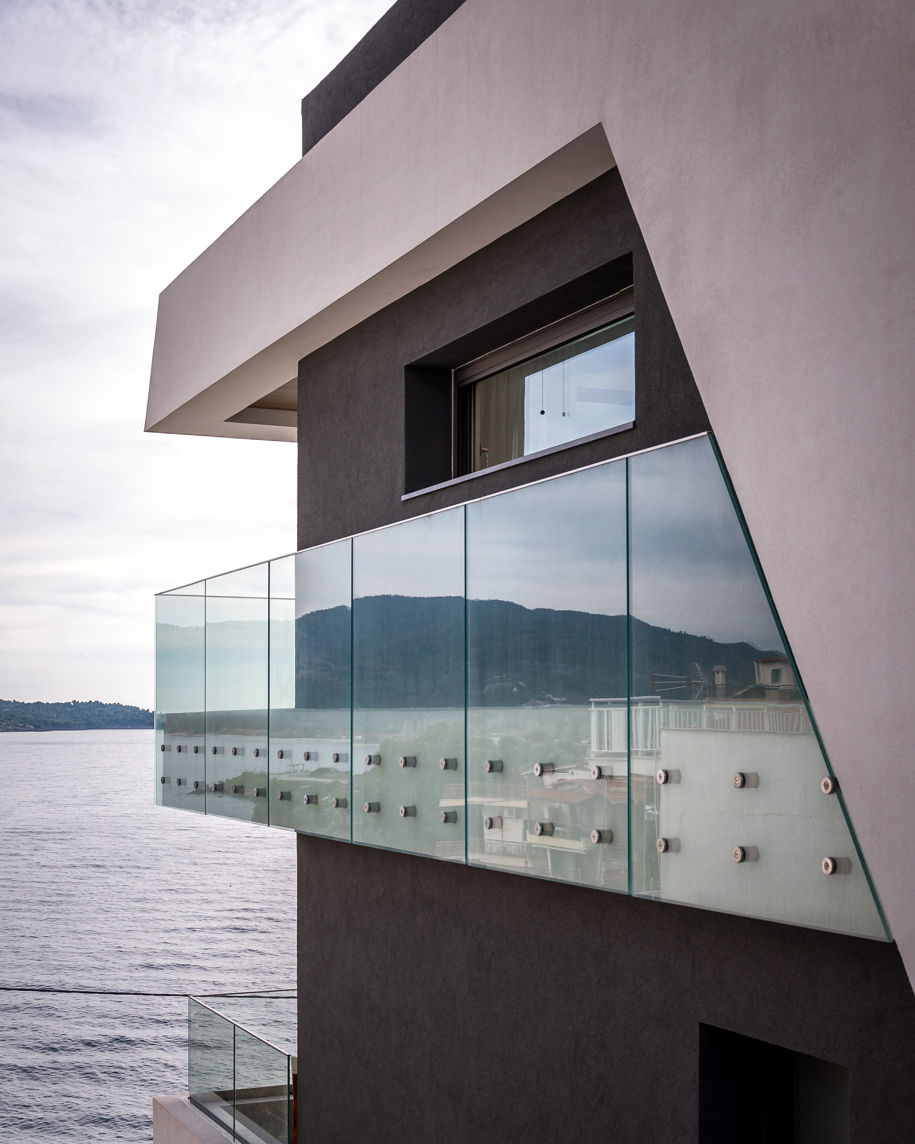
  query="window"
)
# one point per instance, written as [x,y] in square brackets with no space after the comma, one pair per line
[571,381]
[760,1093]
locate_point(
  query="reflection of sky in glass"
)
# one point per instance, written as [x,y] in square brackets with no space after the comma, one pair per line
[421,557]
[236,654]
[586,393]
[179,653]
[322,578]
[691,569]
[560,544]
[197,589]
[282,578]
[245,582]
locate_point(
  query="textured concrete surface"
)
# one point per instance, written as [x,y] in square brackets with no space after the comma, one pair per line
[452,1004]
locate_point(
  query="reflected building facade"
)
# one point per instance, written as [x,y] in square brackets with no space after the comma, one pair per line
[524,693]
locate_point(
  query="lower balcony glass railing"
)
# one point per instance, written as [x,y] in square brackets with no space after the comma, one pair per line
[583,679]
[241,1064]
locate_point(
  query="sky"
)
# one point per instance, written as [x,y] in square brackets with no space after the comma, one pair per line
[132,133]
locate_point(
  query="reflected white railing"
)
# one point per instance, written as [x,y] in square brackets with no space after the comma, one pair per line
[650,716]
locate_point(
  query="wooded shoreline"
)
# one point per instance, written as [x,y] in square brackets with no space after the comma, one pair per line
[75,715]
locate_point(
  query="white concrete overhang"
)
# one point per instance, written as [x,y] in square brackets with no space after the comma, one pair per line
[767,153]
[416,178]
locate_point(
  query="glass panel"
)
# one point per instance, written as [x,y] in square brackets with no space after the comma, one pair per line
[210,1041]
[180,720]
[261,1091]
[546,677]
[577,389]
[728,811]
[310,608]
[236,694]
[408,683]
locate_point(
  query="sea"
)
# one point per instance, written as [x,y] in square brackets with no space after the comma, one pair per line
[102,890]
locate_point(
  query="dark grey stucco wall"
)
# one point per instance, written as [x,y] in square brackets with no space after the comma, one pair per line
[351,427]
[447,1004]
[386,45]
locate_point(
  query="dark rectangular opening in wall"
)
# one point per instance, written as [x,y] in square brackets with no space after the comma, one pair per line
[427,426]
[757,1093]
[435,450]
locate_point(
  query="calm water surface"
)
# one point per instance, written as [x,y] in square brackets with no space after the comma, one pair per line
[100,889]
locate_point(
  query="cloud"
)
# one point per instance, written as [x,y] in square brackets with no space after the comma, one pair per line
[132,132]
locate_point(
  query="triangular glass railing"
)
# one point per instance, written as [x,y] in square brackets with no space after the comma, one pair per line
[582,680]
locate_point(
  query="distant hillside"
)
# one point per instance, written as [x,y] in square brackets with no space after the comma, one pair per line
[72,716]
[414,647]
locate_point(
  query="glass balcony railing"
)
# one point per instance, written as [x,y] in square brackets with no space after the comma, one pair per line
[241,1064]
[583,679]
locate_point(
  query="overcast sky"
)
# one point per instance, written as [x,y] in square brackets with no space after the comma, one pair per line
[132,132]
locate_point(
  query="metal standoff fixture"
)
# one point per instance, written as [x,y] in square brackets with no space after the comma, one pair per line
[218,788]
[373,760]
[371,807]
[601,772]
[310,799]
[831,866]
[339,803]
[163,778]
[335,757]
[179,782]
[198,784]
[447,764]
[257,752]
[543,829]
[599,835]
[163,747]
[235,750]
[745,854]
[742,779]
[179,748]
[448,816]
[667,845]
[492,766]
[260,792]
[541,769]
[238,788]
[492,822]
[196,749]
[285,796]
[829,785]
[307,756]
[407,812]
[407,761]
[280,753]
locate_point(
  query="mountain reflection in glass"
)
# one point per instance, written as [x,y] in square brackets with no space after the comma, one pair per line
[310,665]
[236,691]
[634,719]
[180,700]
[408,686]
[727,809]
[546,679]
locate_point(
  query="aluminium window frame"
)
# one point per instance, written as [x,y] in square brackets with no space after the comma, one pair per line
[615,308]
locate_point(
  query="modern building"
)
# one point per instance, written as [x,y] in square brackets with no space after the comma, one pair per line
[586,691]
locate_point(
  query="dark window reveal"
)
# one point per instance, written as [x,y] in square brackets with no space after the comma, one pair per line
[571,381]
